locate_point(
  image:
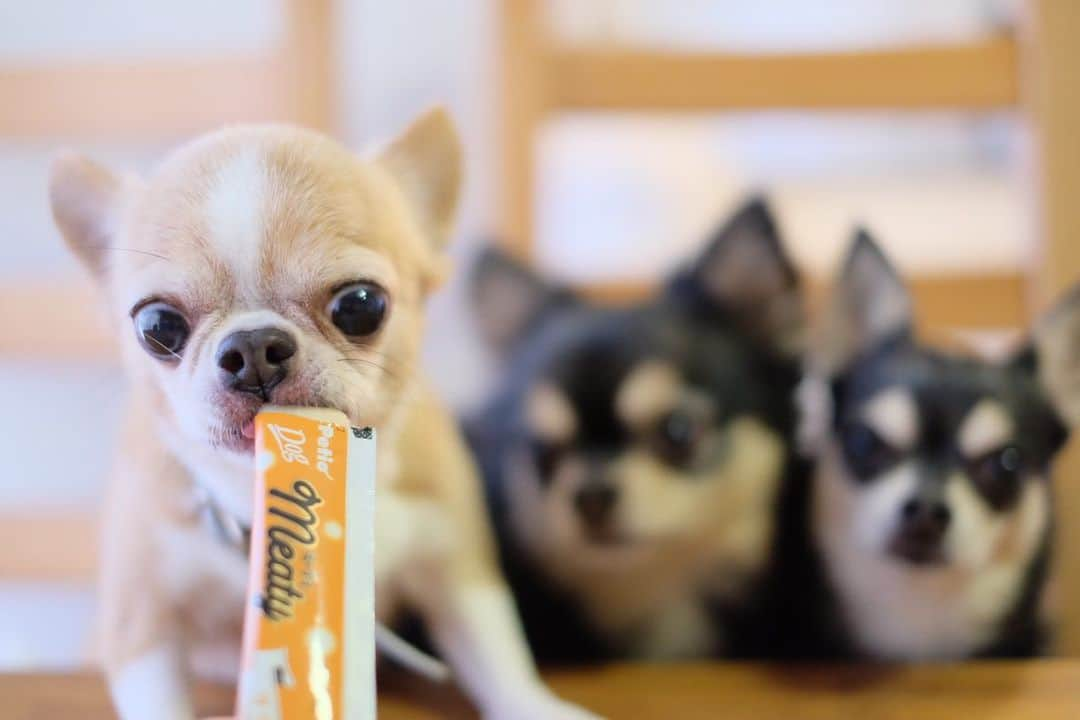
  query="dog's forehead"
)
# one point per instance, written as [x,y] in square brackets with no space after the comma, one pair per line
[975,402]
[591,367]
[936,382]
[265,207]
[618,365]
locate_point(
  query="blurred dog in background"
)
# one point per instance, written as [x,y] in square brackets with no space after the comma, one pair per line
[635,457]
[931,507]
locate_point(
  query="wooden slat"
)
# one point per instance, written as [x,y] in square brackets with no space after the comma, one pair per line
[1006,690]
[47,319]
[980,75]
[154,99]
[1002,690]
[139,100]
[1052,97]
[309,54]
[56,319]
[524,101]
[970,301]
[45,545]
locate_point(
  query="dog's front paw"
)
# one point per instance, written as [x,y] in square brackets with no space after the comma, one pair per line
[536,704]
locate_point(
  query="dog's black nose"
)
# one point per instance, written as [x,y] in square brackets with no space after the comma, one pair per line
[920,535]
[595,501]
[925,517]
[256,361]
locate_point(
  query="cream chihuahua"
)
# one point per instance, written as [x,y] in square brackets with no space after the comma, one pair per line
[269,264]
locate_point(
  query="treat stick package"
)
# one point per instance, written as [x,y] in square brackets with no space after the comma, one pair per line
[305,656]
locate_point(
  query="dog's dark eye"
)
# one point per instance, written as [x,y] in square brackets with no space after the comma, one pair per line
[866,453]
[359,309]
[546,456]
[162,330]
[997,475]
[676,438]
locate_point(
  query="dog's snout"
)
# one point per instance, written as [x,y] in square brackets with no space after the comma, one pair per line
[920,533]
[927,517]
[256,361]
[595,501]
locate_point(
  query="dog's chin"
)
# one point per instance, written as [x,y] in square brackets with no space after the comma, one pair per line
[606,536]
[611,551]
[238,440]
[608,539]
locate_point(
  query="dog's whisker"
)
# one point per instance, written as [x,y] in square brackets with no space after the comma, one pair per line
[158,343]
[159,256]
[371,363]
[380,353]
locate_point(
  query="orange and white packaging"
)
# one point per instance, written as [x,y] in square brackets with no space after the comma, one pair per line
[309,627]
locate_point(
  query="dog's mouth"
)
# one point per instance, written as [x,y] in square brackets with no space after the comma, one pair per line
[235,429]
[238,437]
[607,536]
[916,550]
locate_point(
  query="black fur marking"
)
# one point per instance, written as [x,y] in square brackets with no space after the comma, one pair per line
[946,388]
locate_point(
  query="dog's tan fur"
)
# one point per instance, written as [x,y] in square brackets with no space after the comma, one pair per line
[260,224]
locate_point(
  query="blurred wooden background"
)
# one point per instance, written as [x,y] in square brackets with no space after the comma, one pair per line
[1029,72]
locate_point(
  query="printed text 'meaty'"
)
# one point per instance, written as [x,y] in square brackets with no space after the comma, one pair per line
[294,524]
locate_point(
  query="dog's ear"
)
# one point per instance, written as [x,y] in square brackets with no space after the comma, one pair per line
[870,303]
[1054,354]
[746,273]
[509,299]
[425,161]
[86,199]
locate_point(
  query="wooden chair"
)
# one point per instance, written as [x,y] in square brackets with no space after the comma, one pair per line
[125,101]
[1031,73]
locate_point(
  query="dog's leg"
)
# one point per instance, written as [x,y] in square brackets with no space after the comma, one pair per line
[141,633]
[152,686]
[450,574]
[144,662]
[471,615]
[405,529]
[476,626]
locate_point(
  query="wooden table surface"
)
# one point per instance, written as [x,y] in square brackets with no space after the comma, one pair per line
[987,691]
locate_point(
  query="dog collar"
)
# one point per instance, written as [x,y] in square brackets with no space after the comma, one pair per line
[221,523]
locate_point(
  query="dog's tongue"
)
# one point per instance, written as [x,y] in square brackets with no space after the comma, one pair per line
[248,429]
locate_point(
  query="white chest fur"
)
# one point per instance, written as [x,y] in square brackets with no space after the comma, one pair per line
[649,607]
[899,612]
[653,603]
[208,578]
